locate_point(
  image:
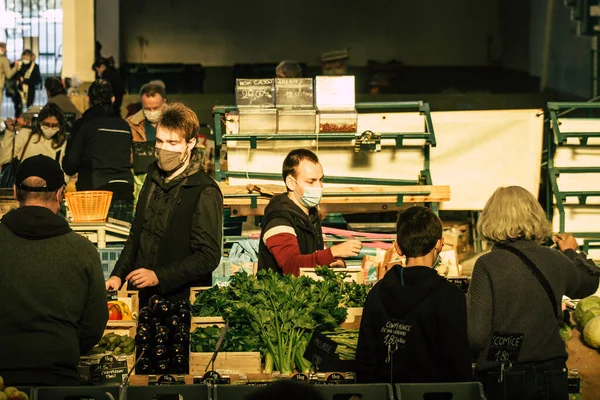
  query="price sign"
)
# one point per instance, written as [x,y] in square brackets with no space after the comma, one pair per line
[294,92]
[462,283]
[254,92]
[320,351]
[300,377]
[505,347]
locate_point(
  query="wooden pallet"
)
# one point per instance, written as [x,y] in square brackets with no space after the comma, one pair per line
[351,204]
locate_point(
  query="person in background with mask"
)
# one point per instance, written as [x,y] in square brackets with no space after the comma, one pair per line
[291,236]
[414,323]
[99,151]
[143,128]
[27,77]
[57,94]
[6,72]
[47,136]
[176,236]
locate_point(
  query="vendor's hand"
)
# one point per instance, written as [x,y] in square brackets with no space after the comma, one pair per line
[566,241]
[113,283]
[10,124]
[347,249]
[22,79]
[142,278]
[338,264]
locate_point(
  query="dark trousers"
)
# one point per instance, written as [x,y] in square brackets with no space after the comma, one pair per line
[545,380]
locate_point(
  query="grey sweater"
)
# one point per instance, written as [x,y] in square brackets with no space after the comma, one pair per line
[505,296]
[52,298]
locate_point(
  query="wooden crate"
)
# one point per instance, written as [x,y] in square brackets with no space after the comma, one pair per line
[194,292]
[353,314]
[121,330]
[131,298]
[227,363]
[203,322]
[356,274]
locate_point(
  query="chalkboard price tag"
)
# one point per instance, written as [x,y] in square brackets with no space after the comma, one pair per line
[335,379]
[461,283]
[320,351]
[505,347]
[255,92]
[212,376]
[294,92]
[300,377]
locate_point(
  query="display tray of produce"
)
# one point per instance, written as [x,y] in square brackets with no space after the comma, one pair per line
[123,308]
[583,342]
[162,337]
[270,315]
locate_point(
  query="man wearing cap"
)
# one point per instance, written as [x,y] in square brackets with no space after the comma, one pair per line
[6,72]
[52,294]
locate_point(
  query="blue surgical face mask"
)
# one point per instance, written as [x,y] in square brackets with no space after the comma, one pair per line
[312,196]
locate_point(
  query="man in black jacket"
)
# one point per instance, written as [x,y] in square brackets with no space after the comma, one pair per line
[175,240]
[291,237]
[414,323]
[52,294]
[100,152]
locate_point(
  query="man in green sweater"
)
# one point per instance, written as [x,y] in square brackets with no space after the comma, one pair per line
[52,295]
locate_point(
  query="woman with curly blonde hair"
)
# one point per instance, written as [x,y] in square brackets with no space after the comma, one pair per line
[513,304]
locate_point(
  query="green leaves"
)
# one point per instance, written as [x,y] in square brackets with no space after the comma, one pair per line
[277,313]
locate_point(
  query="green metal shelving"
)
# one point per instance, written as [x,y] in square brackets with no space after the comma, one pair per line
[423,176]
[559,139]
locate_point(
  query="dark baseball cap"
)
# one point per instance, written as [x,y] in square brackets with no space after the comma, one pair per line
[43,167]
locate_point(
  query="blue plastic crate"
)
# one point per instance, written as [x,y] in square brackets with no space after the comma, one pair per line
[108,258]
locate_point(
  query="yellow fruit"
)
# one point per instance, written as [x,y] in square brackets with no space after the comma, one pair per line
[9,391]
[1,384]
[3,396]
[21,396]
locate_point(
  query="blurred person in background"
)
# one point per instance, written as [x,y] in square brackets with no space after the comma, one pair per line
[46,135]
[143,124]
[288,69]
[100,152]
[6,71]
[106,71]
[57,94]
[27,77]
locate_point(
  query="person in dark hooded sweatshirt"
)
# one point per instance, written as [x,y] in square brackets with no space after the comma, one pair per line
[414,324]
[291,236]
[52,294]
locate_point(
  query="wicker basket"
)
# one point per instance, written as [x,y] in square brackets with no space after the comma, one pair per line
[89,206]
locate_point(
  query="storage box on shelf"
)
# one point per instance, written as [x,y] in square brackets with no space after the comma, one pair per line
[355,274]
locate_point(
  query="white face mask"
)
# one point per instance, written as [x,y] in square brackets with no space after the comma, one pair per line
[153,116]
[312,196]
[26,62]
[49,132]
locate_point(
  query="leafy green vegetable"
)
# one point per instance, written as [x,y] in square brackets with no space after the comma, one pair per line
[278,312]
[347,340]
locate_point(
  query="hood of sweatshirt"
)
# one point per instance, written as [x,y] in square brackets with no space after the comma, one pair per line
[35,223]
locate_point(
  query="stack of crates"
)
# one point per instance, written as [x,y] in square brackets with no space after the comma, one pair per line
[108,258]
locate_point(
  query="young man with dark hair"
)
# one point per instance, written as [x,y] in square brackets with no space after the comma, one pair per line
[414,322]
[100,152]
[52,294]
[153,96]
[175,239]
[57,94]
[291,236]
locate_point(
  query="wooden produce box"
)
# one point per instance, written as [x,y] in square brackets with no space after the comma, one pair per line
[131,299]
[227,363]
[194,292]
[356,274]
